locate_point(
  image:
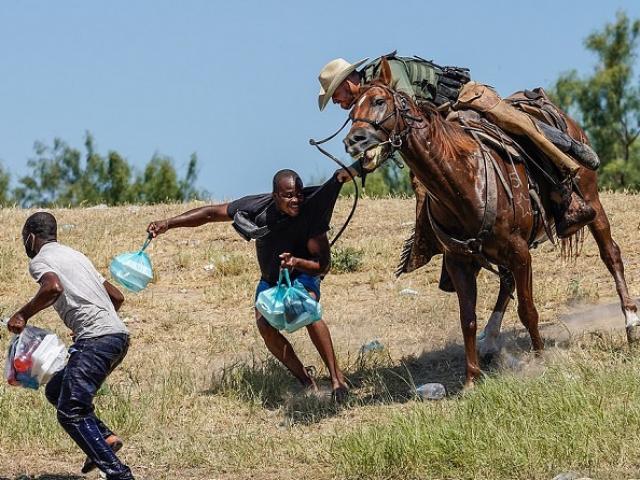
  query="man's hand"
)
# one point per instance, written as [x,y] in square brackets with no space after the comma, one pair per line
[16,323]
[158,227]
[288,261]
[342,176]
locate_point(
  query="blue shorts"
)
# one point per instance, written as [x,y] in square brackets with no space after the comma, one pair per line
[311,283]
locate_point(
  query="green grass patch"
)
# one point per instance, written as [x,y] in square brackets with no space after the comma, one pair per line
[346,260]
[580,416]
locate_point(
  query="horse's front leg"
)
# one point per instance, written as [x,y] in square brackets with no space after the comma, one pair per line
[522,272]
[489,339]
[610,255]
[463,272]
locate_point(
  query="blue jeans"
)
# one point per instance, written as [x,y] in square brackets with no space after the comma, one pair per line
[311,283]
[72,389]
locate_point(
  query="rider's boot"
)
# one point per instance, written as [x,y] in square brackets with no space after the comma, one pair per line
[570,211]
[584,154]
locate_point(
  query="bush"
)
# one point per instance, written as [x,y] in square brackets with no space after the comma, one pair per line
[345,260]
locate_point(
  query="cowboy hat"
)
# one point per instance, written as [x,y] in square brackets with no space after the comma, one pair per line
[331,76]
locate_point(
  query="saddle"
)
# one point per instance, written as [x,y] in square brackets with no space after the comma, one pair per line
[422,245]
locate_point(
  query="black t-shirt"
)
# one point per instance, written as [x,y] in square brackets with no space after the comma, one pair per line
[287,234]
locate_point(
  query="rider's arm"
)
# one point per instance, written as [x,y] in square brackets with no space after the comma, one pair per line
[192,218]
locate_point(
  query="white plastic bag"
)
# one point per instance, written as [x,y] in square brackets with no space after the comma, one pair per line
[34,357]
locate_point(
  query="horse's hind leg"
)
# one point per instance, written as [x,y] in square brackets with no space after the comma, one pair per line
[489,339]
[522,272]
[610,255]
[463,274]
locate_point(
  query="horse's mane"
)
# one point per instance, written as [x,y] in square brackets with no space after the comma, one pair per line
[447,139]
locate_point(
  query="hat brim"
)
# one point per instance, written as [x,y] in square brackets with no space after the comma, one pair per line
[325,96]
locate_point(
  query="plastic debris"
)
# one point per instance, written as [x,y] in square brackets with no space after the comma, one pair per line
[408,292]
[431,391]
[372,346]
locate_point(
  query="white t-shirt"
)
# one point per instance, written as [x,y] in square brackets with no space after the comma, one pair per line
[84,306]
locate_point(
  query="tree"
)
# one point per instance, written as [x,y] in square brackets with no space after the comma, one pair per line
[60,175]
[159,182]
[607,102]
[5,181]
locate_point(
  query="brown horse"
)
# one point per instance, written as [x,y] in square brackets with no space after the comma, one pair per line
[475,229]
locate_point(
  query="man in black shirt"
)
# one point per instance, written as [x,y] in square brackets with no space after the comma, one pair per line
[290,227]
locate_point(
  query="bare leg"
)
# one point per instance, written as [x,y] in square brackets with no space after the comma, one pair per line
[463,275]
[321,338]
[489,339]
[283,351]
[522,272]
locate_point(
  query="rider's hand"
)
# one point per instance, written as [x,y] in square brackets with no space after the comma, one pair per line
[16,323]
[158,227]
[288,261]
[342,176]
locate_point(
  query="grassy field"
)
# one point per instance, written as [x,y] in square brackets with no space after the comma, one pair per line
[199,398]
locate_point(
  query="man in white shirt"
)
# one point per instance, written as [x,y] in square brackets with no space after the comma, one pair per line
[88,305]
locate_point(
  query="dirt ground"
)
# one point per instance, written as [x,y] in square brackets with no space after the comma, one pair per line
[195,321]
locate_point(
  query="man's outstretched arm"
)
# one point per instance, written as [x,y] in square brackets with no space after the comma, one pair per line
[50,290]
[192,218]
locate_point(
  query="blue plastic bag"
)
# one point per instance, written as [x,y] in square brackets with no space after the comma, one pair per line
[269,302]
[288,307]
[133,270]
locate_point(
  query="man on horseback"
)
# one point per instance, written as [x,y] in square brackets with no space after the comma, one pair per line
[451,91]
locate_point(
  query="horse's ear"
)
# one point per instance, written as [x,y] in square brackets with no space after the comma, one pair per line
[385,71]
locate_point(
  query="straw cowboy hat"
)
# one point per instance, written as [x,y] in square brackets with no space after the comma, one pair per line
[332,75]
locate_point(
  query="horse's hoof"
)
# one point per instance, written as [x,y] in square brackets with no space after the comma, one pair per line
[633,334]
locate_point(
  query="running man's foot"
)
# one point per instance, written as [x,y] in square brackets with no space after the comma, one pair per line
[114,442]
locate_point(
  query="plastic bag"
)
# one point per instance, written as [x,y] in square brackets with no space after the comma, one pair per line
[288,307]
[133,270]
[34,357]
[300,309]
[269,303]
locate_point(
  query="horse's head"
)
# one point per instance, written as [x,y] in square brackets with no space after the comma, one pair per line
[379,122]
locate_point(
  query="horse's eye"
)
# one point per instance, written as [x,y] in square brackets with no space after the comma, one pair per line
[378,102]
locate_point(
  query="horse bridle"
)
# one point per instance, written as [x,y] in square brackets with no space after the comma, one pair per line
[400,111]
[395,140]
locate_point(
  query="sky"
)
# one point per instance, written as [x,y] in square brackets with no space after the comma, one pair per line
[236,82]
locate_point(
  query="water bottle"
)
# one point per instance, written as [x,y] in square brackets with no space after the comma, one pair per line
[22,363]
[431,391]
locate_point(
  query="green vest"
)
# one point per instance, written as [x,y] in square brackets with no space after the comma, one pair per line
[416,77]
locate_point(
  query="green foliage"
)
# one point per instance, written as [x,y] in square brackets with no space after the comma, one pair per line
[607,102]
[5,194]
[345,260]
[62,175]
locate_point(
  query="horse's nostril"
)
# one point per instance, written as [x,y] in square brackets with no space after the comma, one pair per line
[359,138]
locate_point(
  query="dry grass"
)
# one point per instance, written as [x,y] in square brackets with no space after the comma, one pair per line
[198,397]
